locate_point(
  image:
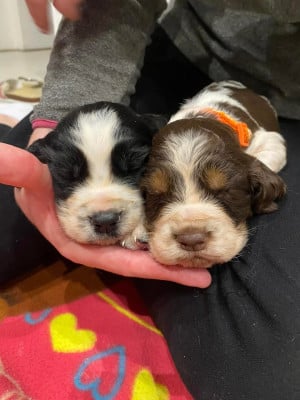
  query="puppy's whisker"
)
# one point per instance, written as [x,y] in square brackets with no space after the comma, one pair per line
[252,231]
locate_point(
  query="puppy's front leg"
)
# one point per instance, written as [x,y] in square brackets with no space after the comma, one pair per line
[269,148]
[137,240]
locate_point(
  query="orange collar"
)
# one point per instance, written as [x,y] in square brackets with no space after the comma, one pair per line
[240,128]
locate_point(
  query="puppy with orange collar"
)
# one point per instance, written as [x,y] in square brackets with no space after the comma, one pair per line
[211,168]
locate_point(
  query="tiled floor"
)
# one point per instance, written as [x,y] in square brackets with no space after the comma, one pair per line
[31,64]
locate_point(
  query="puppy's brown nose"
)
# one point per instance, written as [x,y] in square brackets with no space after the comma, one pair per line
[192,241]
[106,222]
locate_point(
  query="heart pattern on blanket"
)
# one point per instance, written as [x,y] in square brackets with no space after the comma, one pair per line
[102,374]
[145,387]
[67,338]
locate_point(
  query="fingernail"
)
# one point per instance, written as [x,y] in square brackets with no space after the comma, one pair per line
[44,31]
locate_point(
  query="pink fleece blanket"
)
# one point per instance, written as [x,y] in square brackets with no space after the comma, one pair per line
[98,347]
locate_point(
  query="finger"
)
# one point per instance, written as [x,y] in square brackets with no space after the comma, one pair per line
[21,169]
[141,264]
[69,8]
[111,258]
[134,264]
[39,10]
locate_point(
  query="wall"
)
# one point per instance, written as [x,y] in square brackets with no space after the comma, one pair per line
[17,30]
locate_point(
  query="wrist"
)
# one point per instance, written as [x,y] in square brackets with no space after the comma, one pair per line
[38,133]
[41,128]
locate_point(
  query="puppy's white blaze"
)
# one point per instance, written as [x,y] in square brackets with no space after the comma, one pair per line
[184,151]
[225,240]
[268,147]
[94,136]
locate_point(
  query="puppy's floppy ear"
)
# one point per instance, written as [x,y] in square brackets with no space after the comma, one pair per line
[154,121]
[44,148]
[266,187]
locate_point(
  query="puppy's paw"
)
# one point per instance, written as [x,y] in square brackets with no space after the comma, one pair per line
[137,240]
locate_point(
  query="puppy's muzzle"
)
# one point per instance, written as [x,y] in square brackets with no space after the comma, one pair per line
[106,222]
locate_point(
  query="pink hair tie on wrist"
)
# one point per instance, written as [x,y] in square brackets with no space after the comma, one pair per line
[44,123]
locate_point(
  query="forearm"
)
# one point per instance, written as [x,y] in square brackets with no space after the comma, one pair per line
[98,57]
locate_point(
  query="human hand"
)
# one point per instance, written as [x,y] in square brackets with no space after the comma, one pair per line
[21,169]
[39,10]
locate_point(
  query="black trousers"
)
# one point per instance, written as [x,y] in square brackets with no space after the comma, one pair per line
[239,338]
[22,247]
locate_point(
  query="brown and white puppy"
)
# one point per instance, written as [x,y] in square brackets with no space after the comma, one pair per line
[202,185]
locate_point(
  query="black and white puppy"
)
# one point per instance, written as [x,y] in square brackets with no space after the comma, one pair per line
[210,169]
[96,157]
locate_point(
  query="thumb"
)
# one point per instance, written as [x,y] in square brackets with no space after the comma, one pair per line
[21,169]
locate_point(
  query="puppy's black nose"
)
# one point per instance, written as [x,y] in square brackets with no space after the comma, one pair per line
[106,222]
[192,241]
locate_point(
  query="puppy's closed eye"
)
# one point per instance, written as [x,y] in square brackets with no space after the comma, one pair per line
[214,178]
[129,156]
[157,182]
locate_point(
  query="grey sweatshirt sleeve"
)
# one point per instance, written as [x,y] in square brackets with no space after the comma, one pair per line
[256,42]
[98,57]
